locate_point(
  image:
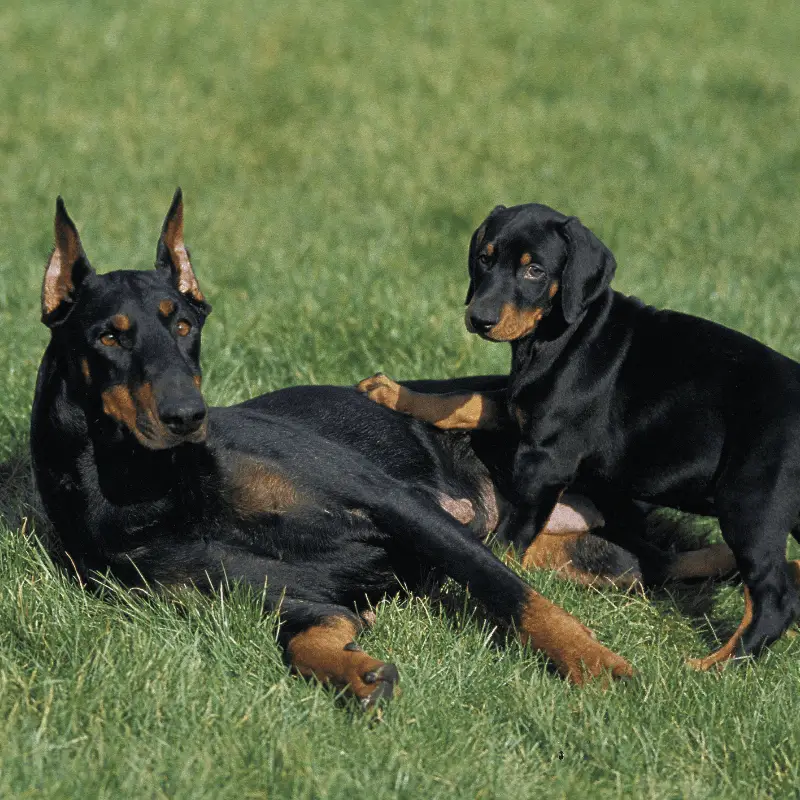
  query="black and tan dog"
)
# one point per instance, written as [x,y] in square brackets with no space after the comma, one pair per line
[327,499]
[625,401]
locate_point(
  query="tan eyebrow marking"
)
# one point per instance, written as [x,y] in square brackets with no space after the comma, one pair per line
[166,307]
[526,259]
[489,248]
[121,322]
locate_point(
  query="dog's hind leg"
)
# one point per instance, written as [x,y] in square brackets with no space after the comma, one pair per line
[440,541]
[757,536]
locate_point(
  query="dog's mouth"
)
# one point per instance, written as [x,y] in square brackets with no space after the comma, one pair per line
[513,323]
[154,435]
[136,411]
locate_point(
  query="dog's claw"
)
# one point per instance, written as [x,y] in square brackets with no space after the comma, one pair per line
[385,678]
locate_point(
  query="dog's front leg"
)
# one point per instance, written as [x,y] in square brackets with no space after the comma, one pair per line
[540,477]
[464,411]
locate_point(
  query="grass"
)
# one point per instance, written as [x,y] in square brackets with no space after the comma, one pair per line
[335,158]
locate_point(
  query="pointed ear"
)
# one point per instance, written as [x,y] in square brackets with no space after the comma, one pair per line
[66,270]
[474,246]
[589,270]
[173,256]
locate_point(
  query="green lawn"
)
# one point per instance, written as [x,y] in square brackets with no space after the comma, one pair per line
[335,158]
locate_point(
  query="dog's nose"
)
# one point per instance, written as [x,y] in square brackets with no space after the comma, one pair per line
[183,419]
[480,325]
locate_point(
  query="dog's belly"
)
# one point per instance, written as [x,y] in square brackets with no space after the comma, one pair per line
[656,465]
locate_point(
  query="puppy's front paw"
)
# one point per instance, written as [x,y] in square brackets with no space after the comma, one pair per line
[381,389]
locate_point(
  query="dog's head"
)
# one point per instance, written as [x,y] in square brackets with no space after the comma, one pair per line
[526,260]
[129,341]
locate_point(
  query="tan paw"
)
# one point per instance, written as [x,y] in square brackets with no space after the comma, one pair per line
[598,661]
[383,390]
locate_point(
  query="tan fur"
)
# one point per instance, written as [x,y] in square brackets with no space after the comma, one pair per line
[526,259]
[729,648]
[461,510]
[515,323]
[121,322]
[166,307]
[173,238]
[119,405]
[568,644]
[58,284]
[713,561]
[137,411]
[447,412]
[257,489]
[87,375]
[553,289]
[320,652]
[490,249]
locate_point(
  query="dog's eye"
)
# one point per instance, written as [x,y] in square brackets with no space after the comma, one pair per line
[533,272]
[183,327]
[484,259]
[109,340]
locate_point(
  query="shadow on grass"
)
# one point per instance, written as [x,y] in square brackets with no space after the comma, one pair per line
[20,509]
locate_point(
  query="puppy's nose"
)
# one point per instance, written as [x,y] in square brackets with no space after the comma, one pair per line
[184,418]
[481,325]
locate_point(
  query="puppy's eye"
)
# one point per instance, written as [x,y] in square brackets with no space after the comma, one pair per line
[484,259]
[109,340]
[183,327]
[533,272]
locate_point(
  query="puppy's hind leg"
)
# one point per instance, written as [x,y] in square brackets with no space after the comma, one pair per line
[757,537]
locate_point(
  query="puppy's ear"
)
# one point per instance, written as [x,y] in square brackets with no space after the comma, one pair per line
[474,246]
[173,256]
[66,270]
[589,270]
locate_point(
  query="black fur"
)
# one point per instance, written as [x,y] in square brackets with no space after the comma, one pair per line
[351,505]
[624,400]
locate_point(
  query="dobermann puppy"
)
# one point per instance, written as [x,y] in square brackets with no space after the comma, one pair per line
[623,400]
[328,511]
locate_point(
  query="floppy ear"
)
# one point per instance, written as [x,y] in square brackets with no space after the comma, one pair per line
[474,244]
[172,255]
[66,270]
[589,270]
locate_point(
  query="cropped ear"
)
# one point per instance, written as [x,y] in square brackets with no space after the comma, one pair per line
[474,245]
[172,255]
[65,272]
[589,270]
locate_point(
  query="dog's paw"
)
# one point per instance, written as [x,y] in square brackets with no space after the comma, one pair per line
[597,661]
[384,679]
[381,389]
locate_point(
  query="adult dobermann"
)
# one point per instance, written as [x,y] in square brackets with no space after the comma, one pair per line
[623,400]
[328,508]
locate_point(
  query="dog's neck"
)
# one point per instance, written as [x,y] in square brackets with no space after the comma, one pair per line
[75,445]
[554,340]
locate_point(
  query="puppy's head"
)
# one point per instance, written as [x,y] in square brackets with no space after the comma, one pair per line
[128,341]
[526,260]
